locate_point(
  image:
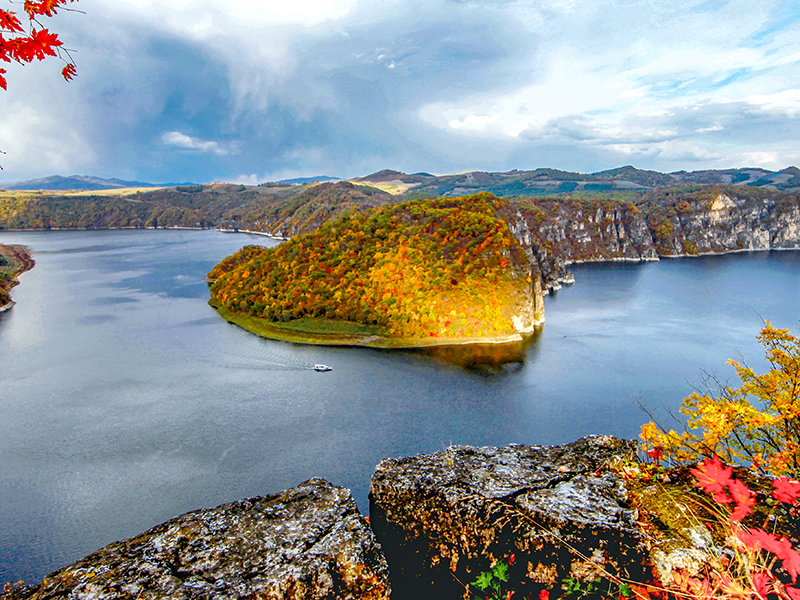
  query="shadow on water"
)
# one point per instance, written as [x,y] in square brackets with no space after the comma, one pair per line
[486,359]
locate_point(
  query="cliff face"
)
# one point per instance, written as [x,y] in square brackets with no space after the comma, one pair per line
[713,221]
[442,518]
[728,223]
[574,231]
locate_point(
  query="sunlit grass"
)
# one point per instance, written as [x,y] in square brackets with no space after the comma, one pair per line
[41,193]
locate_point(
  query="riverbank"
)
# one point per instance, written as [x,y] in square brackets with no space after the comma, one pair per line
[14,260]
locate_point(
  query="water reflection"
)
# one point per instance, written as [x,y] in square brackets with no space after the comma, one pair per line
[487,359]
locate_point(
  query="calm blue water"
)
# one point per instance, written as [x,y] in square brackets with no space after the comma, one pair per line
[126,400]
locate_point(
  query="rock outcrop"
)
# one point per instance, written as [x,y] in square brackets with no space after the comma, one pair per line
[726,222]
[308,542]
[575,231]
[442,518]
[710,221]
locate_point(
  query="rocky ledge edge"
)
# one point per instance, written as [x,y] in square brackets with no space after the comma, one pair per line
[436,521]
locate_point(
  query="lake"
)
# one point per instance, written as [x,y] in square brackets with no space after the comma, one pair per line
[126,400]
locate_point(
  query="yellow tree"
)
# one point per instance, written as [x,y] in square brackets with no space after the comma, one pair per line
[755,424]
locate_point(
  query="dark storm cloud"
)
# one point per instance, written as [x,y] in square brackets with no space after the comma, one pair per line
[249,91]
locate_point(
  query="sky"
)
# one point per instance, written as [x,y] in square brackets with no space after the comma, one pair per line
[249,91]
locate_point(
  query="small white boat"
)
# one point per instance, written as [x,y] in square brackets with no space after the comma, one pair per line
[322,368]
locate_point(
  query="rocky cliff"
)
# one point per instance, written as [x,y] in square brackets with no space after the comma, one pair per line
[573,231]
[549,518]
[726,220]
[706,221]
[442,518]
[307,543]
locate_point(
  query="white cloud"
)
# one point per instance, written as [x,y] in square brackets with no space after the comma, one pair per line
[619,75]
[244,179]
[181,140]
[345,87]
[182,14]
[786,102]
[37,141]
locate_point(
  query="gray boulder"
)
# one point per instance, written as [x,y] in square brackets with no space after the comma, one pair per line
[444,517]
[308,542]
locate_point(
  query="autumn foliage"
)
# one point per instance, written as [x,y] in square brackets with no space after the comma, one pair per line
[756,564]
[25,42]
[756,424]
[422,269]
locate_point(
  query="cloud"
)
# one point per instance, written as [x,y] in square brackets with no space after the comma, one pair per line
[180,140]
[346,87]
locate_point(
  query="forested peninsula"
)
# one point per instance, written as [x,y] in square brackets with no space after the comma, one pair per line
[418,273]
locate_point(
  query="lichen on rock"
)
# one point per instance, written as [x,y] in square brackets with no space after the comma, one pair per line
[308,542]
[444,516]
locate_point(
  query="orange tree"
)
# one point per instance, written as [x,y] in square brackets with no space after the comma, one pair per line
[756,423]
[24,43]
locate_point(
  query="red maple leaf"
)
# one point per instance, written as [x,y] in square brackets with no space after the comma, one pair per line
[790,559]
[43,7]
[744,498]
[762,583]
[760,539]
[794,593]
[42,43]
[9,23]
[712,476]
[786,490]
[68,72]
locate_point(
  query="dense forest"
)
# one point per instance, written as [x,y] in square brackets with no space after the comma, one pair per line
[440,268]
[280,210]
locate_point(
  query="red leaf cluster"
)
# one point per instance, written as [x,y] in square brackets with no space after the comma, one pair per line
[786,490]
[758,539]
[714,478]
[38,43]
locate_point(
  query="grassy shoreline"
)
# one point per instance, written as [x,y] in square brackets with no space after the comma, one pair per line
[329,332]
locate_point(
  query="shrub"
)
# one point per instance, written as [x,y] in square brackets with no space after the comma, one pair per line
[755,424]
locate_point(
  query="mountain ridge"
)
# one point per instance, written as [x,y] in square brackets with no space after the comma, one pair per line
[79,182]
[539,181]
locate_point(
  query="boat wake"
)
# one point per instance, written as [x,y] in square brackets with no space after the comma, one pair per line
[253,352]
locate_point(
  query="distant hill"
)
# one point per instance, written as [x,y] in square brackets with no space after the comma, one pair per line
[536,182]
[80,182]
[637,176]
[285,210]
[303,180]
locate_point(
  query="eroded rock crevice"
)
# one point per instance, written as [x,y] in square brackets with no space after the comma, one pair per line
[444,517]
